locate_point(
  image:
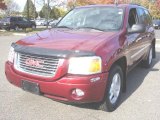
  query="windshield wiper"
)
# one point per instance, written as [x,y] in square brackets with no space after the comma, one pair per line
[90,28]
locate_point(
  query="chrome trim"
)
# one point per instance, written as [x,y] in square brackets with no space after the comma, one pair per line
[49,69]
[136,54]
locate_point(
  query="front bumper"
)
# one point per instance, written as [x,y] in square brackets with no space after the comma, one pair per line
[62,88]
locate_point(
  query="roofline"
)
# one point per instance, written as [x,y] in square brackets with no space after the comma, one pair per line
[116,5]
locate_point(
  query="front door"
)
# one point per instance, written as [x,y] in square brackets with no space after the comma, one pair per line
[134,40]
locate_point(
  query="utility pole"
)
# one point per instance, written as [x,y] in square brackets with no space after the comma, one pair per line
[47,11]
[35,10]
[116,2]
[74,3]
[28,9]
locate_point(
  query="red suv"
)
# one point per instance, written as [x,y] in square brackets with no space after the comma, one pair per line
[86,57]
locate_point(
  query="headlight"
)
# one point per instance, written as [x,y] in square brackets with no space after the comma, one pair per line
[85,65]
[11,55]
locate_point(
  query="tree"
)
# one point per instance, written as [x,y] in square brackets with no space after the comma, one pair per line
[55,13]
[44,11]
[41,14]
[32,10]
[72,3]
[12,8]
[62,12]
[3,5]
[158,3]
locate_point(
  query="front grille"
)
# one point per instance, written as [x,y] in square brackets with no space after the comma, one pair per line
[36,65]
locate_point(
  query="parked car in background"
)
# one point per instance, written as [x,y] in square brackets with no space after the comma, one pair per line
[40,22]
[0,24]
[54,22]
[47,22]
[156,24]
[16,23]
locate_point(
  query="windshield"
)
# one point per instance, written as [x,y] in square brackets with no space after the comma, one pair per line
[156,21]
[100,18]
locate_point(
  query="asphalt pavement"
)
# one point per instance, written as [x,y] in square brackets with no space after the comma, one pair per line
[140,102]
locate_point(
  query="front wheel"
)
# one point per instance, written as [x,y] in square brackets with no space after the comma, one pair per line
[113,89]
[33,27]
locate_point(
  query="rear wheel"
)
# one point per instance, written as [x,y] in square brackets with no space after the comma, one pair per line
[113,89]
[7,29]
[147,63]
[16,28]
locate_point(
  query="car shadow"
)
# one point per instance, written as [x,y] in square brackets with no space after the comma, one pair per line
[136,77]
[134,80]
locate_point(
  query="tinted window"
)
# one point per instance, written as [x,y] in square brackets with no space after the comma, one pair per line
[156,21]
[133,17]
[13,19]
[101,18]
[7,19]
[149,18]
[143,19]
[24,19]
[20,19]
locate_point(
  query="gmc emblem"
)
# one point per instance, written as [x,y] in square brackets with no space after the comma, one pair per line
[34,62]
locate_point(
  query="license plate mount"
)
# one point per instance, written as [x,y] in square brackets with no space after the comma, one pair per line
[30,87]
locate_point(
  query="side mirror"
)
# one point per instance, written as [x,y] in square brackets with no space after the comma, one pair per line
[137,28]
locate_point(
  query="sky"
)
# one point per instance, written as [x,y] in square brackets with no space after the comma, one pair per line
[22,3]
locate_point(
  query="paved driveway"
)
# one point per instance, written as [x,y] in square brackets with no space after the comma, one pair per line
[140,102]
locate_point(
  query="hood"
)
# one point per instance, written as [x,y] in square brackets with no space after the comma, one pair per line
[64,39]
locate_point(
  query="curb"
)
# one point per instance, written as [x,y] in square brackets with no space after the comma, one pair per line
[157,45]
[19,34]
[2,30]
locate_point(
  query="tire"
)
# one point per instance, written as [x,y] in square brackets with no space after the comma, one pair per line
[7,29]
[16,28]
[148,62]
[110,101]
[33,27]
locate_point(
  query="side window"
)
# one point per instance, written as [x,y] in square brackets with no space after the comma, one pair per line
[24,19]
[149,18]
[142,17]
[13,19]
[20,19]
[133,17]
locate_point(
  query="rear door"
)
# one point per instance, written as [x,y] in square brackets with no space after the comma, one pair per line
[23,23]
[13,21]
[20,22]
[27,23]
[145,18]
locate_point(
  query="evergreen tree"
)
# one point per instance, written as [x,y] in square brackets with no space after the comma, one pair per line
[55,13]
[41,14]
[32,10]
[45,11]
[2,5]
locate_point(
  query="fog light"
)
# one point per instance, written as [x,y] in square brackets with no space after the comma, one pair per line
[78,92]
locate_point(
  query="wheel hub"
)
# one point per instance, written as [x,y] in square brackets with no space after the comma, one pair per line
[115,88]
